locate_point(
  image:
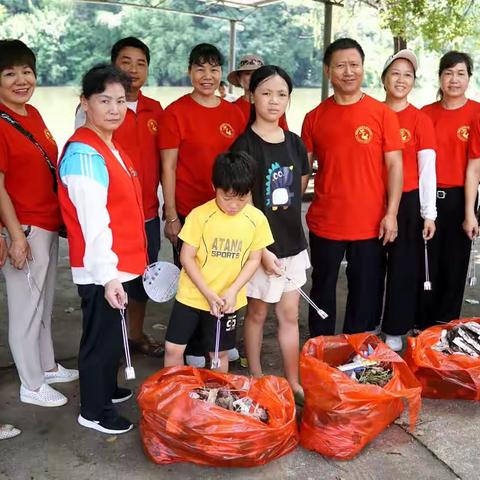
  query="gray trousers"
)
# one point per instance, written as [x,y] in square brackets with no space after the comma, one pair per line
[30,294]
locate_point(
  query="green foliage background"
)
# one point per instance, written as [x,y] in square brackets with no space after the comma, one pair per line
[69,37]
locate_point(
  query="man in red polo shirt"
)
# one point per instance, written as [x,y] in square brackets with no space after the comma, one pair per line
[138,137]
[356,141]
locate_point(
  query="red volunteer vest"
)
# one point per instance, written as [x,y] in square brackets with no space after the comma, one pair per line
[124,206]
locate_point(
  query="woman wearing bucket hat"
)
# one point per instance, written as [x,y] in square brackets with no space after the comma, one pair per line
[452,116]
[241,78]
[417,211]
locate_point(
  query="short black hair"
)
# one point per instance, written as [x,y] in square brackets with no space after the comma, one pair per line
[234,172]
[16,53]
[223,83]
[129,42]
[342,44]
[205,53]
[98,77]
[452,58]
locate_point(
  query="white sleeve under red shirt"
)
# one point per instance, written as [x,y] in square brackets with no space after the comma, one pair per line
[84,173]
[349,142]
[418,137]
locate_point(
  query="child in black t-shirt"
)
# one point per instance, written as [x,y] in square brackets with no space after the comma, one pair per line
[282,176]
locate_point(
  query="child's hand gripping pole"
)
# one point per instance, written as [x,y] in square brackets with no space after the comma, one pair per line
[216,361]
[320,312]
[427,284]
[129,370]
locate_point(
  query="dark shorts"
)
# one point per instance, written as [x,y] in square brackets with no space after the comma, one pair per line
[184,320]
[152,232]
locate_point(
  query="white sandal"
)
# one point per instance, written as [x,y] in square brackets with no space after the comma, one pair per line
[8,431]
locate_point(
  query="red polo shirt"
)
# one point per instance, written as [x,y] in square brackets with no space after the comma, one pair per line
[349,142]
[138,136]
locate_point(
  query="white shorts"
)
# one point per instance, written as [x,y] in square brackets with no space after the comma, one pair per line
[270,288]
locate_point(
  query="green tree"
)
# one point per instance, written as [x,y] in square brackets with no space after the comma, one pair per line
[437,22]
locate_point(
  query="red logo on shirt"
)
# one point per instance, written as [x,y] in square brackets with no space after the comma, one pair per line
[463,132]
[152,126]
[363,134]
[49,136]
[405,135]
[227,130]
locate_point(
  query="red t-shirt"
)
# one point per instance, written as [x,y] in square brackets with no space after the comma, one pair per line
[349,142]
[474,139]
[28,179]
[245,107]
[200,134]
[452,129]
[138,136]
[417,133]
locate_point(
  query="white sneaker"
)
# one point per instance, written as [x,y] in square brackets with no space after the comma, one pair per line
[394,342]
[233,355]
[45,397]
[195,361]
[8,431]
[62,375]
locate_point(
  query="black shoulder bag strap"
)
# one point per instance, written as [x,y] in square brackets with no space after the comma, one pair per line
[5,116]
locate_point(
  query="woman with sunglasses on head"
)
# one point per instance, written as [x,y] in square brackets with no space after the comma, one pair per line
[101,200]
[283,173]
[449,250]
[196,128]
[31,217]
[417,211]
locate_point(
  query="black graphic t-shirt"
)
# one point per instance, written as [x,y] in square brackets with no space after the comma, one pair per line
[277,191]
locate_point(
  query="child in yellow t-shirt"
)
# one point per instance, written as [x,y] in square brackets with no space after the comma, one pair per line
[222,248]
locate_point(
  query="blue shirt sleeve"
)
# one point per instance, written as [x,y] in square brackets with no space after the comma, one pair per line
[82,160]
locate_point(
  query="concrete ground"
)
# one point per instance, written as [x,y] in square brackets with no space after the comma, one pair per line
[444,446]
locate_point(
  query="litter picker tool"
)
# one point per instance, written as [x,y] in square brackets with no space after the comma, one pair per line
[129,370]
[216,360]
[427,284]
[320,312]
[472,276]
[160,281]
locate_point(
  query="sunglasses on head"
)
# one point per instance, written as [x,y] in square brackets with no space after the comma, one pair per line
[250,61]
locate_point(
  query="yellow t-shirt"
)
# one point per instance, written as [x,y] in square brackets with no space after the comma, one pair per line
[223,244]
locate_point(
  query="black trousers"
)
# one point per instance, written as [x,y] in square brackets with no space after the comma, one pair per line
[448,255]
[365,276]
[101,348]
[404,259]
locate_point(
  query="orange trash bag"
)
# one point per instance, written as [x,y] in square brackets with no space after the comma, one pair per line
[442,375]
[177,428]
[341,416]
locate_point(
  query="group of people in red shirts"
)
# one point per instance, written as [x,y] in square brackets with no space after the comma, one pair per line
[391,181]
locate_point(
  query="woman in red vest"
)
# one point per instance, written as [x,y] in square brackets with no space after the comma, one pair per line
[101,202]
